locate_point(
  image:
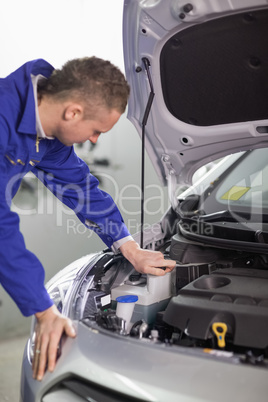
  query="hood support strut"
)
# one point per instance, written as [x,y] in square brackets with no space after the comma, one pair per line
[144,122]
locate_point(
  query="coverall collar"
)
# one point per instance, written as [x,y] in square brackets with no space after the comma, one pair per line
[27,124]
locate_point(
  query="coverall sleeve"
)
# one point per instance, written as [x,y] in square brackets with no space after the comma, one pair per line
[70,180]
[21,273]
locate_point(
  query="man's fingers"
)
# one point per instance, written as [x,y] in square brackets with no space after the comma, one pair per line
[157,272]
[50,327]
[69,329]
[42,362]
[45,357]
[36,356]
[52,352]
[35,363]
[169,265]
[48,337]
[161,269]
[40,359]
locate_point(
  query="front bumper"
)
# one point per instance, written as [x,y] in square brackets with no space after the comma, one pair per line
[143,371]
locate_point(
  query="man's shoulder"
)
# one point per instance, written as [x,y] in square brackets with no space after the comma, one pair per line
[15,88]
[33,67]
[39,66]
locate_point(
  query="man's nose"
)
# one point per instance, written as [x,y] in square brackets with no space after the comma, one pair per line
[94,138]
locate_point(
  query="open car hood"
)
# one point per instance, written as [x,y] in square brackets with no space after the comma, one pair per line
[207,64]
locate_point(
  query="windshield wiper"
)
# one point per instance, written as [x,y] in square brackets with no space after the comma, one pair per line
[219,216]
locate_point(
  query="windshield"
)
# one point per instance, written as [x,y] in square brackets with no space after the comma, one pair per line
[243,187]
[233,211]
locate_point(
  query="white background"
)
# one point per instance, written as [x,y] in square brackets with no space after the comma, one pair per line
[59,30]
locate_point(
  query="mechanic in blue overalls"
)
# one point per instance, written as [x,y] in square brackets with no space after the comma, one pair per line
[43,112]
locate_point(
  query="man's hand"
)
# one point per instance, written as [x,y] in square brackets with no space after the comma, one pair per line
[146,261]
[51,324]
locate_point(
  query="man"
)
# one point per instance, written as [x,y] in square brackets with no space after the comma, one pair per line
[43,112]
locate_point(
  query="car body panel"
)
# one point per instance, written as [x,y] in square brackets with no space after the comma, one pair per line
[210,91]
[150,373]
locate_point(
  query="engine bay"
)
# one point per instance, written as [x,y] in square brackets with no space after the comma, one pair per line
[219,307]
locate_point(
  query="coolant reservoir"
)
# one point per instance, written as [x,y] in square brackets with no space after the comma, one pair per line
[152,296]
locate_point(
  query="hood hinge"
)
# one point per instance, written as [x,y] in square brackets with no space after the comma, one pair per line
[172,182]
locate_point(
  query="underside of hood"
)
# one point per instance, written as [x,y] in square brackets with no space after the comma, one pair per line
[205,64]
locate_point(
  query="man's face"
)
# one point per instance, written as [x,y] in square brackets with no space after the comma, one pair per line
[79,130]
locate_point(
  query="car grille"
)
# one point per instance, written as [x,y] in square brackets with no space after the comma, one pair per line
[77,390]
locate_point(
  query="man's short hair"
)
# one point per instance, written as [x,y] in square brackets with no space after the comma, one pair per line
[93,81]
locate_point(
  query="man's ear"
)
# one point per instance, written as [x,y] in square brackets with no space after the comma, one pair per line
[73,112]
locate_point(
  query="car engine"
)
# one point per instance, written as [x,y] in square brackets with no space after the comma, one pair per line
[217,306]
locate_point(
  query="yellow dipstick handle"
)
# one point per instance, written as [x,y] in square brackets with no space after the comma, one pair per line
[220,329]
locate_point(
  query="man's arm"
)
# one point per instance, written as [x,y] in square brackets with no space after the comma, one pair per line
[70,180]
[89,203]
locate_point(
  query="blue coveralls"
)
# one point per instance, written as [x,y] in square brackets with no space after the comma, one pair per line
[60,169]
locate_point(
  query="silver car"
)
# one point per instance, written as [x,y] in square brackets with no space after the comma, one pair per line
[199,93]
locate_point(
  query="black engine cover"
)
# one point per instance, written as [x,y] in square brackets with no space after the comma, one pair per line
[234,296]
